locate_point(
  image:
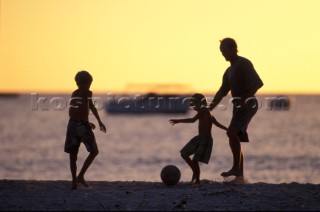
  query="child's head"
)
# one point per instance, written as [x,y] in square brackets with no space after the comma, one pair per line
[83,79]
[198,100]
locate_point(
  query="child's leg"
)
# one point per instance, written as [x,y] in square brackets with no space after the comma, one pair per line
[196,171]
[73,169]
[241,164]
[85,166]
[191,164]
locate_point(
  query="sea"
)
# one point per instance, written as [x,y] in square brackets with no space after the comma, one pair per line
[284,142]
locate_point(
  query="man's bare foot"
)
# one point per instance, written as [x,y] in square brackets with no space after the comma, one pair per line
[234,180]
[82,181]
[232,172]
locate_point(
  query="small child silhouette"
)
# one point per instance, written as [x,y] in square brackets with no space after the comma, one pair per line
[80,129]
[201,145]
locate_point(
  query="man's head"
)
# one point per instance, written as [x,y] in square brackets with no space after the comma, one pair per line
[198,100]
[228,48]
[83,79]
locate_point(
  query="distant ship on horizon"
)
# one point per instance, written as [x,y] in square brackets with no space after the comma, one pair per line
[149,103]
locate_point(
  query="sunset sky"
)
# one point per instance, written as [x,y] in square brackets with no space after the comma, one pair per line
[131,45]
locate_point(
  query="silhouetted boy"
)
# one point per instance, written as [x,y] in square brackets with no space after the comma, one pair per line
[80,129]
[201,145]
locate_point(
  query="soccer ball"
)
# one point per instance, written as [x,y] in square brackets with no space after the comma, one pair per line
[170,175]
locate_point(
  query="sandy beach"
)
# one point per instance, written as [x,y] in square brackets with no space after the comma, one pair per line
[30,195]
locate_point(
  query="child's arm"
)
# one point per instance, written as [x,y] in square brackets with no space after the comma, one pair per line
[187,120]
[215,122]
[95,113]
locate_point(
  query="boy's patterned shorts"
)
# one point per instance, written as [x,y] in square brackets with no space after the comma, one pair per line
[200,146]
[79,131]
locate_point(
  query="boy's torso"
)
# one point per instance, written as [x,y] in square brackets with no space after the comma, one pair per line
[79,105]
[205,122]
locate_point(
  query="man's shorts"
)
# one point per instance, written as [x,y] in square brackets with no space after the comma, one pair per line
[200,146]
[242,117]
[79,131]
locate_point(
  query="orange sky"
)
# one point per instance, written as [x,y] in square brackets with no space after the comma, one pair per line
[164,42]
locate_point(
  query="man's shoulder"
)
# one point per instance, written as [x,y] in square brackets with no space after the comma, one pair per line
[245,64]
[226,72]
[244,61]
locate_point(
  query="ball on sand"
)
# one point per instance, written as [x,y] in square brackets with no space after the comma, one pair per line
[170,175]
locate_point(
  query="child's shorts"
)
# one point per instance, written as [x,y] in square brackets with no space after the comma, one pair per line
[79,131]
[200,146]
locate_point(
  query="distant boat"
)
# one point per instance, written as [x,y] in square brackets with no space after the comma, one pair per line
[149,103]
[9,95]
[279,103]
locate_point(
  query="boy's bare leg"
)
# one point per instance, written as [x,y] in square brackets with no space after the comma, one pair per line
[73,168]
[86,164]
[235,146]
[191,164]
[241,163]
[193,177]
[196,172]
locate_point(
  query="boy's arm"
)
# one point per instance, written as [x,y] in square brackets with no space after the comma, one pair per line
[215,122]
[187,120]
[96,114]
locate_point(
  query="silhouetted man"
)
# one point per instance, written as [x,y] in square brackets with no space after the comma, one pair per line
[243,81]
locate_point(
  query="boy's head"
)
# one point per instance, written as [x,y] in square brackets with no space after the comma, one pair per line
[83,78]
[198,100]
